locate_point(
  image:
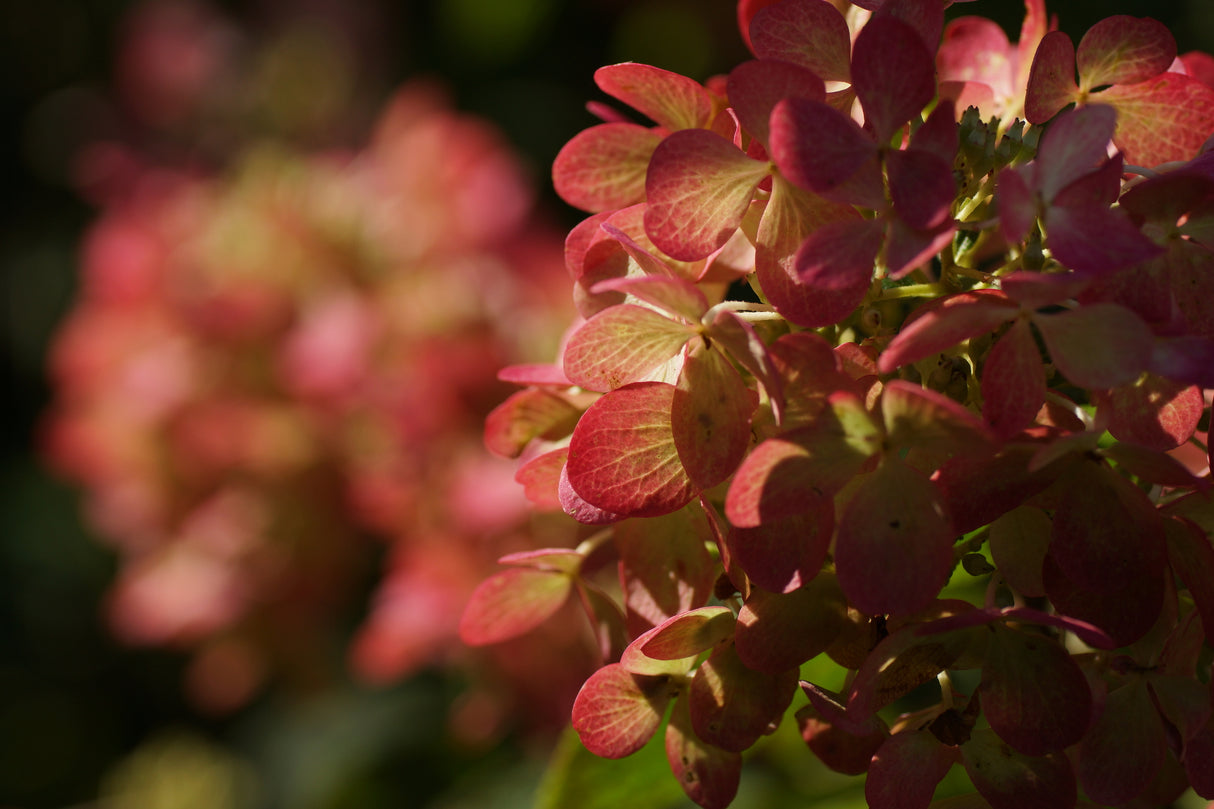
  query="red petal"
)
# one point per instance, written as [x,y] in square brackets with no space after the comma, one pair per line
[836,265]
[622,457]
[708,775]
[1125,747]
[1155,412]
[603,168]
[893,73]
[732,705]
[906,769]
[671,100]
[1017,203]
[777,632]
[1162,119]
[512,602]
[1102,345]
[1073,146]
[1107,534]
[688,634]
[944,324]
[1013,381]
[893,546]
[1123,50]
[1019,541]
[665,568]
[790,216]
[780,474]
[710,416]
[921,186]
[755,87]
[526,415]
[616,712]
[1011,780]
[820,149]
[1051,83]
[698,188]
[812,34]
[1096,240]
[918,418]
[670,294]
[1124,615]
[1033,693]
[622,344]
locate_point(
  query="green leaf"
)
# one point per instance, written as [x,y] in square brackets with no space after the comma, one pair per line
[577,777]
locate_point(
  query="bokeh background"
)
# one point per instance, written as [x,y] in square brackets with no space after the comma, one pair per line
[87,719]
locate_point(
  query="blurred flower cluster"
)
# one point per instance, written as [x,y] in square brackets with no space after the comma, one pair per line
[272,384]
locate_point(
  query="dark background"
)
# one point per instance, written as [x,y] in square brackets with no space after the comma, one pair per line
[72,702]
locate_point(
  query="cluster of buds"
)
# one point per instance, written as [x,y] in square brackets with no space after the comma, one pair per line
[895,349]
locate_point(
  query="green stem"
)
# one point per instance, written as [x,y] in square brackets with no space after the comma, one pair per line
[932,290]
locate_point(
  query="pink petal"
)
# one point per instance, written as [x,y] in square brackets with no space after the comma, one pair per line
[1073,146]
[755,87]
[944,324]
[1013,381]
[1124,50]
[617,712]
[1051,82]
[622,344]
[976,49]
[707,774]
[1099,346]
[811,33]
[673,101]
[710,416]
[836,264]
[622,457]
[511,603]
[1162,119]
[893,73]
[893,546]
[822,150]
[921,186]
[698,188]
[603,168]
[791,215]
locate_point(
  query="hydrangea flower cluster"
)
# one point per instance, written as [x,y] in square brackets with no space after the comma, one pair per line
[895,348]
[269,367]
